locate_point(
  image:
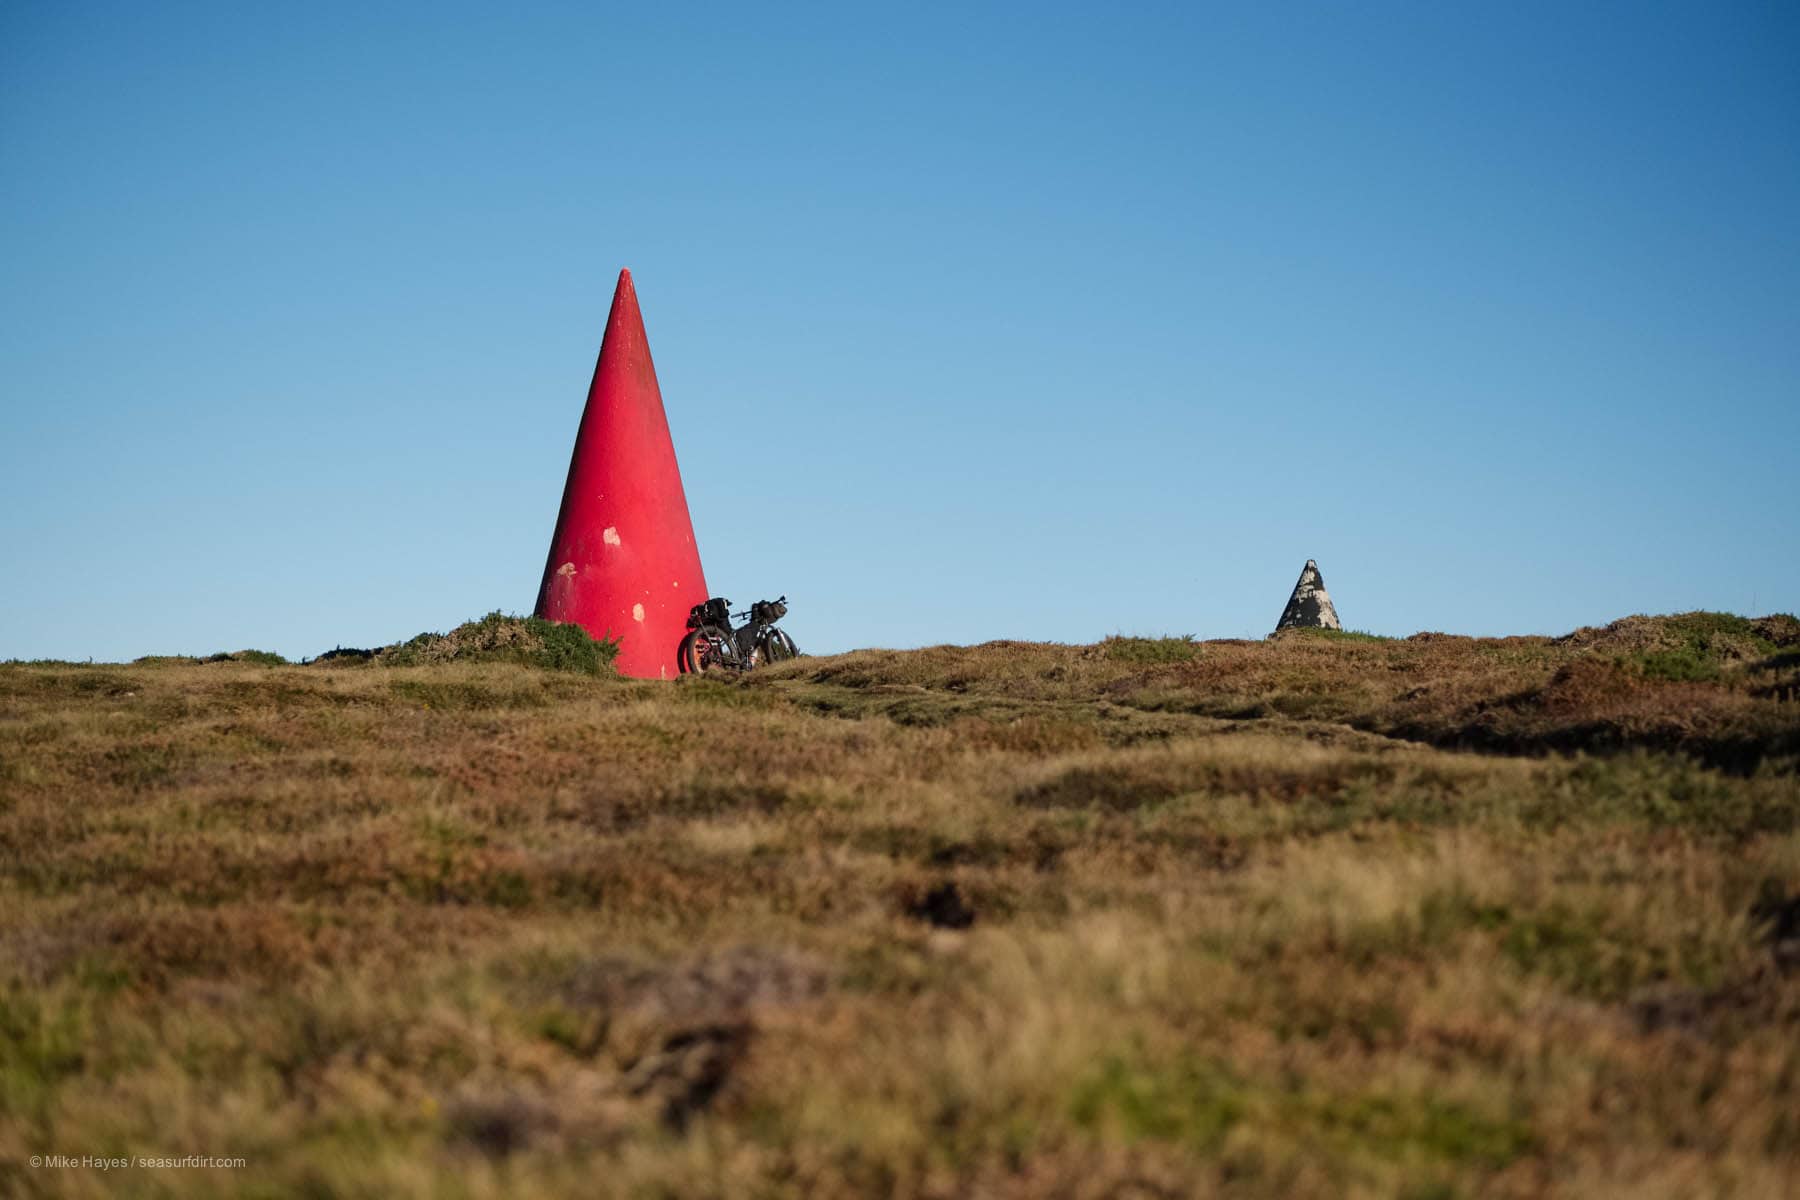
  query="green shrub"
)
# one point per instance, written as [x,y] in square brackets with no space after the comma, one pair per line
[1341,635]
[1699,645]
[497,637]
[1151,649]
[261,658]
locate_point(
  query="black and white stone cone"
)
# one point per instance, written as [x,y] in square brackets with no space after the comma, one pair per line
[1310,605]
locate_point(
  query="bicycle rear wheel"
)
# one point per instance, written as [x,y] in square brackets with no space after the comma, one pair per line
[697,653]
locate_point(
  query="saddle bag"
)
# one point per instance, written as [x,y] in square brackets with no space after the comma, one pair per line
[716,611]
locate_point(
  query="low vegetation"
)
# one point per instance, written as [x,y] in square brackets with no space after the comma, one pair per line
[498,638]
[1314,916]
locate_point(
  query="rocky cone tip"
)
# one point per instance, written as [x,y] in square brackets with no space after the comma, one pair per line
[1309,607]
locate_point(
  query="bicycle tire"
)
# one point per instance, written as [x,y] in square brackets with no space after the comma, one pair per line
[779,647]
[697,653]
[685,653]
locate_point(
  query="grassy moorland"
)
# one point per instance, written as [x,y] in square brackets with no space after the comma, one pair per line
[1318,916]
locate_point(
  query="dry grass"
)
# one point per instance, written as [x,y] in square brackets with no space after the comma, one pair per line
[1312,917]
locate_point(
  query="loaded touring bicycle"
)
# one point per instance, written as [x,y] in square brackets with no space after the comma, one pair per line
[712,643]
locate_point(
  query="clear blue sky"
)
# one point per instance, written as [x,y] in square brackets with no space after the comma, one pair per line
[972,321]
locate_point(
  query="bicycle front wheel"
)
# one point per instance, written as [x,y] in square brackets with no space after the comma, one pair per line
[779,647]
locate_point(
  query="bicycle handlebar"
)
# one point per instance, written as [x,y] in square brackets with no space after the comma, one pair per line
[746,613]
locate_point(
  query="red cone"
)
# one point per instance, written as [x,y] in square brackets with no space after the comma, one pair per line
[623,563]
